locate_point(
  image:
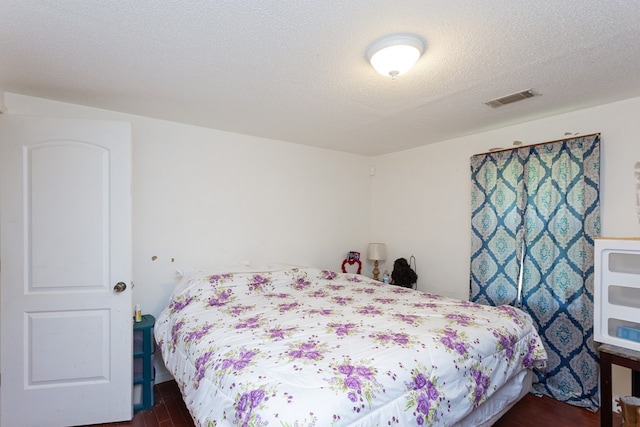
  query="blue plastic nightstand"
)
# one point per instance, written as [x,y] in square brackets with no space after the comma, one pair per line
[143,370]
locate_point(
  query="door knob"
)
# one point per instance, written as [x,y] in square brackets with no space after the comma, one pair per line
[120,287]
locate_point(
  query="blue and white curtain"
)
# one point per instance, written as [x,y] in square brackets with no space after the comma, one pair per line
[535,213]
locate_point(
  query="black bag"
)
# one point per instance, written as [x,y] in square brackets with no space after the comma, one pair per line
[403,275]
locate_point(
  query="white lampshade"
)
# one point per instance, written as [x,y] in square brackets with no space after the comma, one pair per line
[395,55]
[377,252]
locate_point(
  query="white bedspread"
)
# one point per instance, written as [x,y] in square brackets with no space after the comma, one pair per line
[307,347]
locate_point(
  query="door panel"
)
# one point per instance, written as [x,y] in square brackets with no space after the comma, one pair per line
[80,216]
[67,347]
[65,241]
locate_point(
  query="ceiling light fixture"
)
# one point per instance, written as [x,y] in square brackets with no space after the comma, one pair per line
[394,55]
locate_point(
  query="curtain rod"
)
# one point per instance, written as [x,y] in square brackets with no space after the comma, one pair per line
[536,144]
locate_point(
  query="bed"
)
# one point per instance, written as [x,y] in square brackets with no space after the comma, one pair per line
[299,346]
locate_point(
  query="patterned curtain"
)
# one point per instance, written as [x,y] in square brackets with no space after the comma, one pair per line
[535,213]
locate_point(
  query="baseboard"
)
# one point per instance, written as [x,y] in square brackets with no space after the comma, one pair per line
[162,377]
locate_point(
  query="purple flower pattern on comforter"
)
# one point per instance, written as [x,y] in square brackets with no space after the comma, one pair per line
[309,347]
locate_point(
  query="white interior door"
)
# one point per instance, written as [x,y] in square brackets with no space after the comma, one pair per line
[65,242]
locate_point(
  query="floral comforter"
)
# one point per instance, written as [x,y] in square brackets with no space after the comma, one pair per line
[309,347]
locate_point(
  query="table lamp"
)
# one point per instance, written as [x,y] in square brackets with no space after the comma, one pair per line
[376,252]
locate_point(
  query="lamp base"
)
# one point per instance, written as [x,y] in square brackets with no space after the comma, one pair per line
[376,272]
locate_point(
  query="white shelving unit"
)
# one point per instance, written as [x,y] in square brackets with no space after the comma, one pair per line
[617,292]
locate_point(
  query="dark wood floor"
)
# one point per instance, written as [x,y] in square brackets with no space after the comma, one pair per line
[532,411]
[169,410]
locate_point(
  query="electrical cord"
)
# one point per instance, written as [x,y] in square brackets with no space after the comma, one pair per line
[412,260]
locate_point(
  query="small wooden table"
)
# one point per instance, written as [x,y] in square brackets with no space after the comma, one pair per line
[610,355]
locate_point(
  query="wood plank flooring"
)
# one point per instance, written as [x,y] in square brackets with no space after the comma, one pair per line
[532,411]
[169,410]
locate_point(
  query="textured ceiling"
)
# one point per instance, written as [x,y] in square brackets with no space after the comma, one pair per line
[296,70]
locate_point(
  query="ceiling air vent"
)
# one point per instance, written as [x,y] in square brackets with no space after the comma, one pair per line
[518,96]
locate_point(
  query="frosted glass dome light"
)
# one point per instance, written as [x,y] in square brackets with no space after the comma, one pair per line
[395,55]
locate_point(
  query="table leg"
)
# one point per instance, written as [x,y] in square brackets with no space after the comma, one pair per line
[605,390]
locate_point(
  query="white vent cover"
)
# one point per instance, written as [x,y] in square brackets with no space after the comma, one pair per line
[518,96]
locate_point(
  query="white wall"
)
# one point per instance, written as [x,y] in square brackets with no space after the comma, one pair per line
[207,198]
[422,202]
